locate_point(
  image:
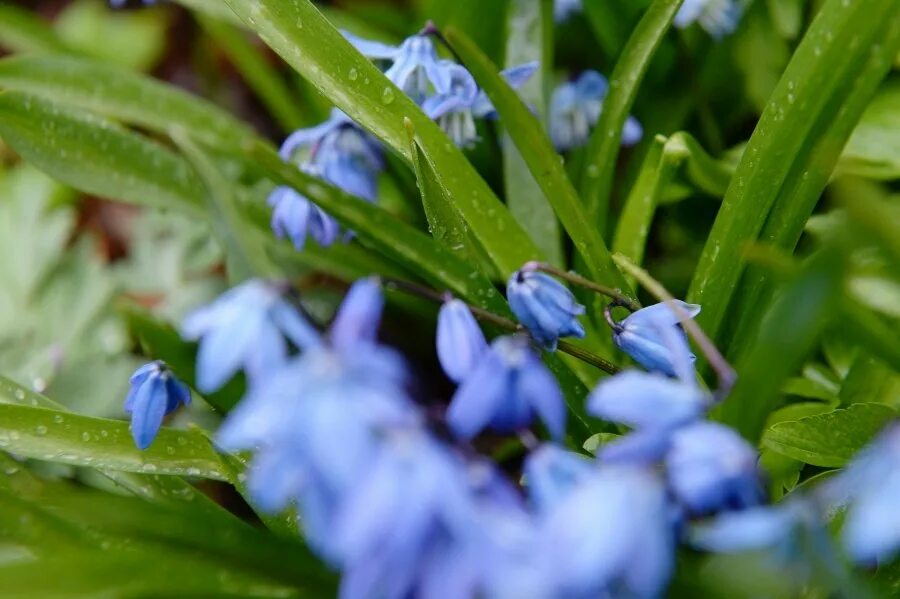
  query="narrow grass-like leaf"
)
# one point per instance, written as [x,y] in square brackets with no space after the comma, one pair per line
[267,84]
[804,106]
[608,27]
[303,37]
[68,438]
[22,31]
[790,330]
[603,148]
[121,94]
[538,152]
[804,184]
[529,27]
[97,156]
[243,243]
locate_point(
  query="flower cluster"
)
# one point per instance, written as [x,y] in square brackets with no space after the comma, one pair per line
[717,17]
[402,511]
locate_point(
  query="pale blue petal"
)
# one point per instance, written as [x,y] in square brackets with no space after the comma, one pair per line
[147,412]
[359,316]
[460,341]
[370,48]
[641,399]
[479,397]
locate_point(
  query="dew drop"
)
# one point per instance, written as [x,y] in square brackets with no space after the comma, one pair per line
[20,394]
[85,436]
[58,419]
[353,74]
[387,96]
[40,430]
[170,450]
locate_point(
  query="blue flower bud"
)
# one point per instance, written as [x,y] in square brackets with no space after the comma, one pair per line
[710,467]
[154,393]
[295,217]
[460,342]
[545,306]
[506,389]
[653,337]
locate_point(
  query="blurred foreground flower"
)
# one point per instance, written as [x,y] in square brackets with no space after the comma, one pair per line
[717,17]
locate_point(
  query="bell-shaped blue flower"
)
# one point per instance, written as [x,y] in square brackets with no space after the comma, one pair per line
[295,217]
[575,108]
[718,17]
[610,536]
[644,400]
[545,306]
[710,468]
[155,392]
[359,315]
[653,338]
[245,327]
[460,342]
[507,388]
[415,66]
[456,110]
[869,488]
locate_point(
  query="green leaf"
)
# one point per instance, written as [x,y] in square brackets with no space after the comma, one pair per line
[268,85]
[66,438]
[829,440]
[301,35]
[608,26]
[217,10]
[542,160]
[529,28]
[870,380]
[789,331]
[603,148]
[243,243]
[122,95]
[22,31]
[95,155]
[874,147]
[790,154]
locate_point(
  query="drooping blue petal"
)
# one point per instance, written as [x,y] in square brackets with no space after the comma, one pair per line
[545,306]
[479,396]
[551,473]
[710,468]
[643,336]
[516,76]
[538,388]
[747,530]
[154,393]
[460,341]
[718,17]
[358,318]
[646,400]
[371,49]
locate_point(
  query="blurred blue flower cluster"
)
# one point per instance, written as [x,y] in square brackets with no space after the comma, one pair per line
[717,17]
[403,511]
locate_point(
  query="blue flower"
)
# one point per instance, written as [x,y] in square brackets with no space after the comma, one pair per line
[457,109]
[611,535]
[545,306]
[869,488]
[359,316]
[506,389]
[154,393]
[415,68]
[460,342]
[246,326]
[551,473]
[295,217]
[574,109]
[563,9]
[653,337]
[717,17]
[710,467]
[647,401]
[765,527]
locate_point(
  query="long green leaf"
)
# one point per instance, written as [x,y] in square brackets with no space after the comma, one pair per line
[802,109]
[538,152]
[304,38]
[603,148]
[67,438]
[23,31]
[803,186]
[270,87]
[243,243]
[529,28]
[122,95]
[790,330]
[95,155]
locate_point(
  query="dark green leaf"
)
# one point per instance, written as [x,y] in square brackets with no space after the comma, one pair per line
[829,440]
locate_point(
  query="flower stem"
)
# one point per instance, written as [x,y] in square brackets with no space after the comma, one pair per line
[497,320]
[724,372]
[616,294]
